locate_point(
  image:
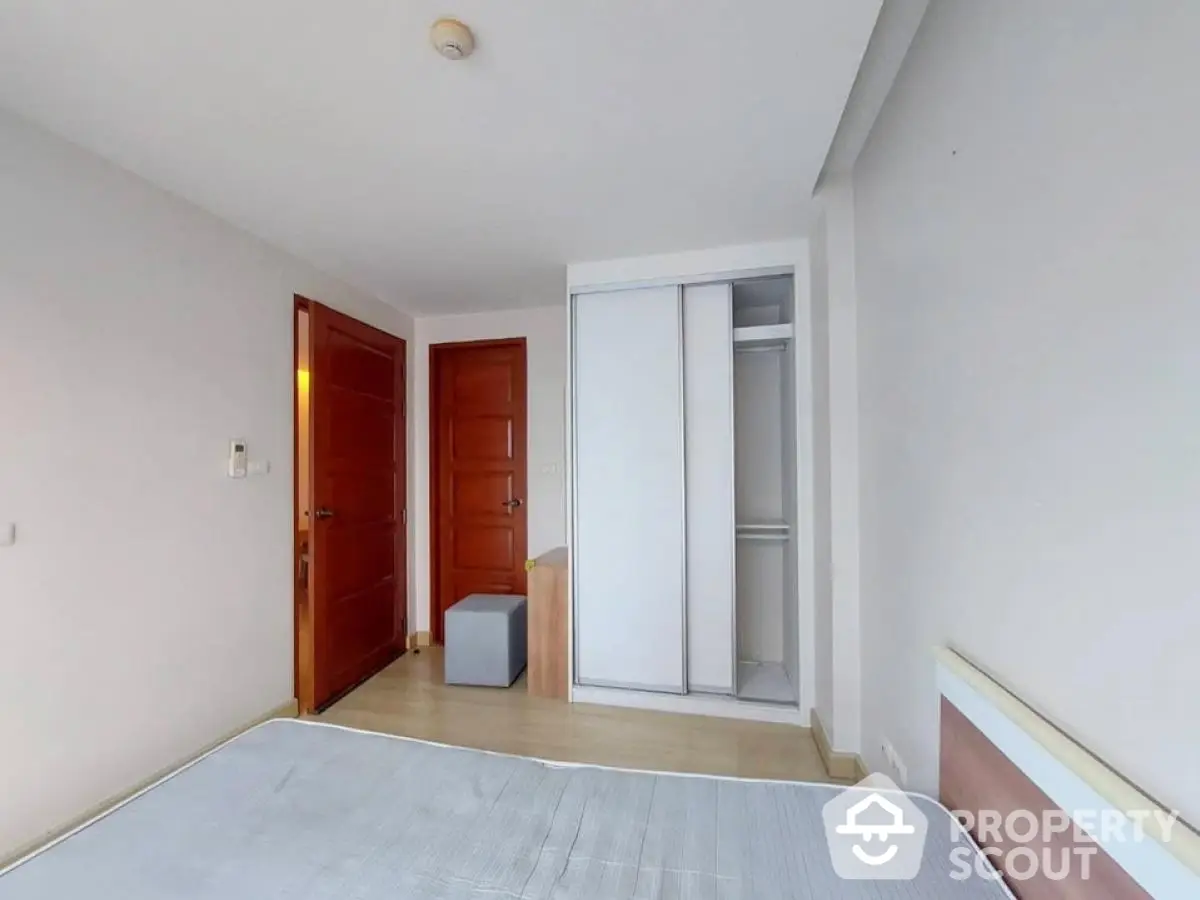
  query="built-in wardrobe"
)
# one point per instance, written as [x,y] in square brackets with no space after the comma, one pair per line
[684,489]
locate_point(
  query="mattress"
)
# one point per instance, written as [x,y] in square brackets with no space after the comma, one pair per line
[294,810]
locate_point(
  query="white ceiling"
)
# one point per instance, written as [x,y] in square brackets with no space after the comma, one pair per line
[581,129]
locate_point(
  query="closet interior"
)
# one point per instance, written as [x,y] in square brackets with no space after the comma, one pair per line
[765,490]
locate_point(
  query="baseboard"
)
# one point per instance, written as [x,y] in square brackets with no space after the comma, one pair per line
[689,704]
[420,639]
[287,710]
[860,769]
[847,766]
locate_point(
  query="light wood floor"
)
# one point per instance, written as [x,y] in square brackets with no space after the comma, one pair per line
[411,698]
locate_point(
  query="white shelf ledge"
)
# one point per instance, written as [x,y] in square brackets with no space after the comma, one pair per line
[762,337]
[772,530]
[764,525]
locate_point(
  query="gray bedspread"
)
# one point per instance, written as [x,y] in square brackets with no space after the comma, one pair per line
[295,810]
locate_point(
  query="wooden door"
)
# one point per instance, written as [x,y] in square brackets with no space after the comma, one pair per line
[356,534]
[478,478]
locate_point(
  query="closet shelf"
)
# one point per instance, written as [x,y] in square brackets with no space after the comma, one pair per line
[776,530]
[763,525]
[762,337]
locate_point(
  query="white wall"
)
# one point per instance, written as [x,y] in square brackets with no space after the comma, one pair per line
[835,201]
[545,333]
[1028,215]
[147,605]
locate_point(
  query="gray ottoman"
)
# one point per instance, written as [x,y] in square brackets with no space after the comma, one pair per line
[485,640]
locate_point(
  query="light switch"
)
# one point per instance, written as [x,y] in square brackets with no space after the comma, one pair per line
[549,468]
[259,467]
[237,458]
[8,534]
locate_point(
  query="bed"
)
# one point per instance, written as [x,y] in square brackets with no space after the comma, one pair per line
[295,809]
[1002,758]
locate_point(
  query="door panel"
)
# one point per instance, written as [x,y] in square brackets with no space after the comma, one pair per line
[365,496]
[628,543]
[484,378]
[491,548]
[482,438]
[481,490]
[361,431]
[357,573]
[708,436]
[366,560]
[356,624]
[478,459]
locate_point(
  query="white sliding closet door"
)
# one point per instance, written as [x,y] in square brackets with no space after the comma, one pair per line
[628,515]
[708,439]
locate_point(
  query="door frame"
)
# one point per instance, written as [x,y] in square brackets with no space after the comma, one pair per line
[436,351]
[304,673]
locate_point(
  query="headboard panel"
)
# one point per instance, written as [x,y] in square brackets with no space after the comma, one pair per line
[1052,817]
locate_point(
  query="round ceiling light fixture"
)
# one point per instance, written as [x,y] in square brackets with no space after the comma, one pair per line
[452,39]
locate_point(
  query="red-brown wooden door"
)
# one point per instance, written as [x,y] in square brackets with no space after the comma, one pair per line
[478,474]
[357,571]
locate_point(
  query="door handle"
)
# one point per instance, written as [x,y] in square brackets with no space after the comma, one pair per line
[324,513]
[511,504]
